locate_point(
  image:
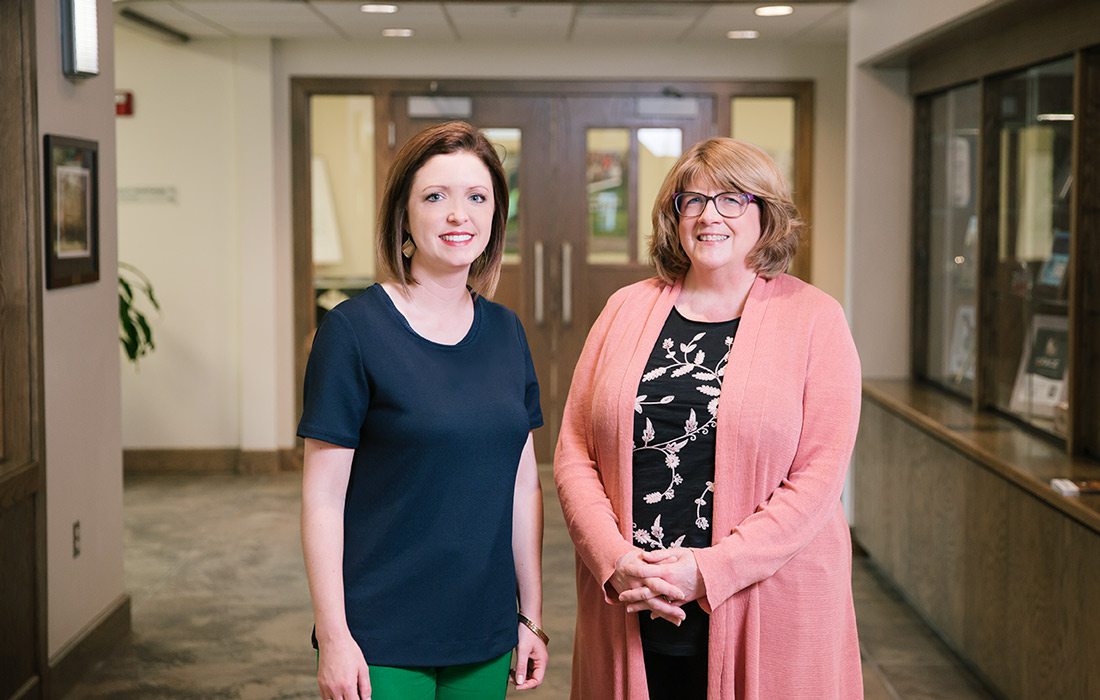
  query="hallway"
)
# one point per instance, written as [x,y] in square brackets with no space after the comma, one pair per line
[221,609]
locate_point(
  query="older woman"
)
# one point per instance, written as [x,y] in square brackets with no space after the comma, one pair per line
[421,506]
[702,456]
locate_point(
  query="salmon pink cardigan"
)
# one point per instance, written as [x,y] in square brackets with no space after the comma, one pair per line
[778,571]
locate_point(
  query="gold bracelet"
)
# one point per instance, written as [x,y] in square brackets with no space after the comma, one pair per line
[526,622]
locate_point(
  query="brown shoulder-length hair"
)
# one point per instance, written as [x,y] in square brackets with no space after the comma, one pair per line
[731,166]
[393,215]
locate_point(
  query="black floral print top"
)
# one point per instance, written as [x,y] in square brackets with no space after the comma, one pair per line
[675,416]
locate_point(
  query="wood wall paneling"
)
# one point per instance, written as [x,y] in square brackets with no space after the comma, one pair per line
[987,579]
[95,642]
[1008,581]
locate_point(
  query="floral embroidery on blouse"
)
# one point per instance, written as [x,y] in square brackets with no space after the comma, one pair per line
[680,359]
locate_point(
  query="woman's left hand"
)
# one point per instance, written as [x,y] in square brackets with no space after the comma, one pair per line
[531,659]
[677,567]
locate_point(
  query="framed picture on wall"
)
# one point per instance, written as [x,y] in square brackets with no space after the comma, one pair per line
[71,208]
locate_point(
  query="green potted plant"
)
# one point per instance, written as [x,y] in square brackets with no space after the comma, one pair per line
[135,299]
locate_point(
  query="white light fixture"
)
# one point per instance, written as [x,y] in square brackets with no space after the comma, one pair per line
[742,34]
[774,11]
[395,32]
[378,9]
[79,38]
[1054,117]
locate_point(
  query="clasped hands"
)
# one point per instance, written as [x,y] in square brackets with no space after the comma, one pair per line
[660,582]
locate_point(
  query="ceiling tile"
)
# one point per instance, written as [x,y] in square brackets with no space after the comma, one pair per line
[269,18]
[508,22]
[802,25]
[425,19]
[635,22]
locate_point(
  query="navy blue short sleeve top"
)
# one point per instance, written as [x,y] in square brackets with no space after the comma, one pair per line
[437,429]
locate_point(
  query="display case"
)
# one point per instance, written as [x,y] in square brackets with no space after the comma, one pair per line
[1002,316]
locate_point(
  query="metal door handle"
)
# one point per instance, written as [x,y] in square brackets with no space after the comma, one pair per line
[540,311]
[566,283]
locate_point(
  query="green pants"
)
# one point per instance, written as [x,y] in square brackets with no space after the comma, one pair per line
[487,680]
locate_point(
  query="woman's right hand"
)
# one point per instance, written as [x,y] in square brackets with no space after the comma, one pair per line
[633,573]
[342,671]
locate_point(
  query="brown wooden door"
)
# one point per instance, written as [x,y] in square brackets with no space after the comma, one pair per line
[22,523]
[616,151]
[565,260]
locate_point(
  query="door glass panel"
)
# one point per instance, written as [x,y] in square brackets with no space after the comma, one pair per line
[607,172]
[952,209]
[1029,296]
[658,150]
[767,122]
[342,196]
[508,144]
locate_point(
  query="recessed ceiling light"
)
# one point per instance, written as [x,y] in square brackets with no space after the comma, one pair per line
[379,9]
[404,33]
[1054,117]
[774,11]
[742,34]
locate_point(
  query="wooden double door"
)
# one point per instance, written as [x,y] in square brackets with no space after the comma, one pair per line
[584,161]
[583,170]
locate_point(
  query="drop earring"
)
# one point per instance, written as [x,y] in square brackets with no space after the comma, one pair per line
[408,247]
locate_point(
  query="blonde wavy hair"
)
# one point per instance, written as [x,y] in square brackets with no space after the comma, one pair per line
[728,165]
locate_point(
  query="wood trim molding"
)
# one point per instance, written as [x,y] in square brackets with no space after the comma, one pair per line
[1007,37]
[1085,276]
[258,462]
[93,644]
[211,461]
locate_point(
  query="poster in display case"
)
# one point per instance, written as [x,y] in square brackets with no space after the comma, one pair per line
[1041,378]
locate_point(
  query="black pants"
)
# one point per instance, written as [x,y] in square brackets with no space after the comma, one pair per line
[676,677]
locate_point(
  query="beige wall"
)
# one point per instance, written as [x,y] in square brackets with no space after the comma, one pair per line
[879,164]
[879,26]
[204,134]
[81,350]
[182,137]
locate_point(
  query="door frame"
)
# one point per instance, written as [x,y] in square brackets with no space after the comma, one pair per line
[22,418]
[385,89]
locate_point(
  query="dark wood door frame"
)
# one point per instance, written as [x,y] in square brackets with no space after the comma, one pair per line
[385,90]
[23,673]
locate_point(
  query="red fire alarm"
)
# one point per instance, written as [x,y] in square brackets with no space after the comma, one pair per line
[124,103]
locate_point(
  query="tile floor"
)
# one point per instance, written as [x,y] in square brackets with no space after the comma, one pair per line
[221,609]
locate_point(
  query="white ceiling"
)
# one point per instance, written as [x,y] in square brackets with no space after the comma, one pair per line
[812,22]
